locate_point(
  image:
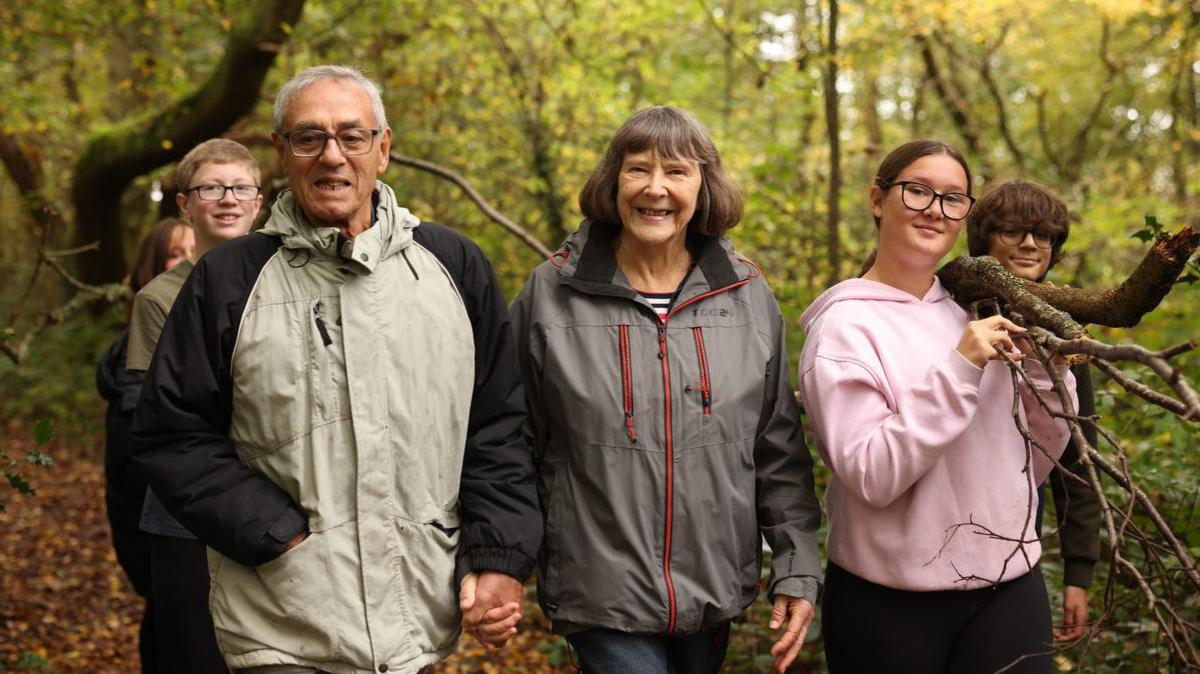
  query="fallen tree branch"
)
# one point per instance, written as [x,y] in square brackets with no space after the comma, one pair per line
[1157,361]
[1139,389]
[1064,310]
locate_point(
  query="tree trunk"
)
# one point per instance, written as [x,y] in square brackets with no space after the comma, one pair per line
[113,158]
[833,214]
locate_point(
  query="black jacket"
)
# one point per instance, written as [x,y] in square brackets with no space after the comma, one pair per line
[124,490]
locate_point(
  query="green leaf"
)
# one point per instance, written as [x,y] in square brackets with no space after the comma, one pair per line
[19,483]
[43,431]
[1142,235]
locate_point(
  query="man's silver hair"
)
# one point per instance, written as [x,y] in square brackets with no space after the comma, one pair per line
[310,76]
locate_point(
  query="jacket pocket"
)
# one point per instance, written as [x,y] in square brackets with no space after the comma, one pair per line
[285,603]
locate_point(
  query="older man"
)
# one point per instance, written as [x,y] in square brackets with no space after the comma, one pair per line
[334,410]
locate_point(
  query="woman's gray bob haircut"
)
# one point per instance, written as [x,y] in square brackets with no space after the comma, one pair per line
[310,76]
[673,133]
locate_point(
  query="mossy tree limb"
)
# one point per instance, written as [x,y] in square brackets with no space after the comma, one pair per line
[113,158]
[1063,310]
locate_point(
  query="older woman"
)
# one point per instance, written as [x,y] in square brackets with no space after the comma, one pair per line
[663,420]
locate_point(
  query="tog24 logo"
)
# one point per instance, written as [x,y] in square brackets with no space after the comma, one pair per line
[710,312]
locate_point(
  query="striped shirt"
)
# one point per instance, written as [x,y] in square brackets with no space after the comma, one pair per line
[660,301]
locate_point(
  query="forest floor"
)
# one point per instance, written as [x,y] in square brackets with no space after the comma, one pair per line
[66,606]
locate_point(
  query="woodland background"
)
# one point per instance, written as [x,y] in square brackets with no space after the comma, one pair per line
[1095,98]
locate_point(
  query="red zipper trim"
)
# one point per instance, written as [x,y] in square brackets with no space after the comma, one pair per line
[627,382]
[670,479]
[702,361]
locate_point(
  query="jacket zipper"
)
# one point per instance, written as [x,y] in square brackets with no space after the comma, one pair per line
[627,382]
[670,447]
[702,361]
[670,490]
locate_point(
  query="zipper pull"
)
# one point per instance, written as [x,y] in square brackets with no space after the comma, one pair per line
[321,325]
[662,342]
[629,427]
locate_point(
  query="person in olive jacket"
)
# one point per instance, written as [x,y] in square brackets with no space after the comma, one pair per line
[665,429]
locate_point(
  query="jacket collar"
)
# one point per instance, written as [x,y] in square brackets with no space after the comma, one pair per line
[591,262]
[390,231]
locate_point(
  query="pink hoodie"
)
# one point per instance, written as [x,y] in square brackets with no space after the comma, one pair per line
[895,411]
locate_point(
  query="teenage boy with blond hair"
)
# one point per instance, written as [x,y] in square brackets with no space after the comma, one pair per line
[219,196]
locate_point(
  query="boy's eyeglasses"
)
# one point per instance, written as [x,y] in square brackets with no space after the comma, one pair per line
[1013,236]
[217,192]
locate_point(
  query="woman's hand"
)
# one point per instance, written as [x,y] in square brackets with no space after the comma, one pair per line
[796,614]
[978,343]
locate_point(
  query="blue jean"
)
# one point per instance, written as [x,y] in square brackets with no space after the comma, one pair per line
[610,652]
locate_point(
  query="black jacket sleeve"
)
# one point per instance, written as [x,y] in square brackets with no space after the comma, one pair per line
[1076,505]
[181,439]
[502,525]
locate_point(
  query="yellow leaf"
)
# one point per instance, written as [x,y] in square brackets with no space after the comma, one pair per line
[125,84]
[167,144]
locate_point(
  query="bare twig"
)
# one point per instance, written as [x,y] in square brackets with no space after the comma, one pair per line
[1157,361]
[472,194]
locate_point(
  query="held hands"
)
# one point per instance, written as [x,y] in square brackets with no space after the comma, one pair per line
[981,337]
[796,615]
[491,606]
[1075,614]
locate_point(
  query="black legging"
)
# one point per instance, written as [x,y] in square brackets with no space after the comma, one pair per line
[872,628]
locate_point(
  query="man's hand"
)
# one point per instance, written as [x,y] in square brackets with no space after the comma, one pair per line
[797,615]
[296,540]
[491,606]
[1075,614]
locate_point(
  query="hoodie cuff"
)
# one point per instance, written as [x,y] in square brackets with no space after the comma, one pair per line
[964,371]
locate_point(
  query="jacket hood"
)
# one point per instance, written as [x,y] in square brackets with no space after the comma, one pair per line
[587,259]
[865,289]
[390,232]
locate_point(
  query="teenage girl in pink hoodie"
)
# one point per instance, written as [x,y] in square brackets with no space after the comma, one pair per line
[932,548]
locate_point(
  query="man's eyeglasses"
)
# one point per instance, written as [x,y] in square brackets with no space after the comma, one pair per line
[311,142]
[918,196]
[1013,236]
[217,192]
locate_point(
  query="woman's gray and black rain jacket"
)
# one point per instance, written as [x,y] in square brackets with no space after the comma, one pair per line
[664,447]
